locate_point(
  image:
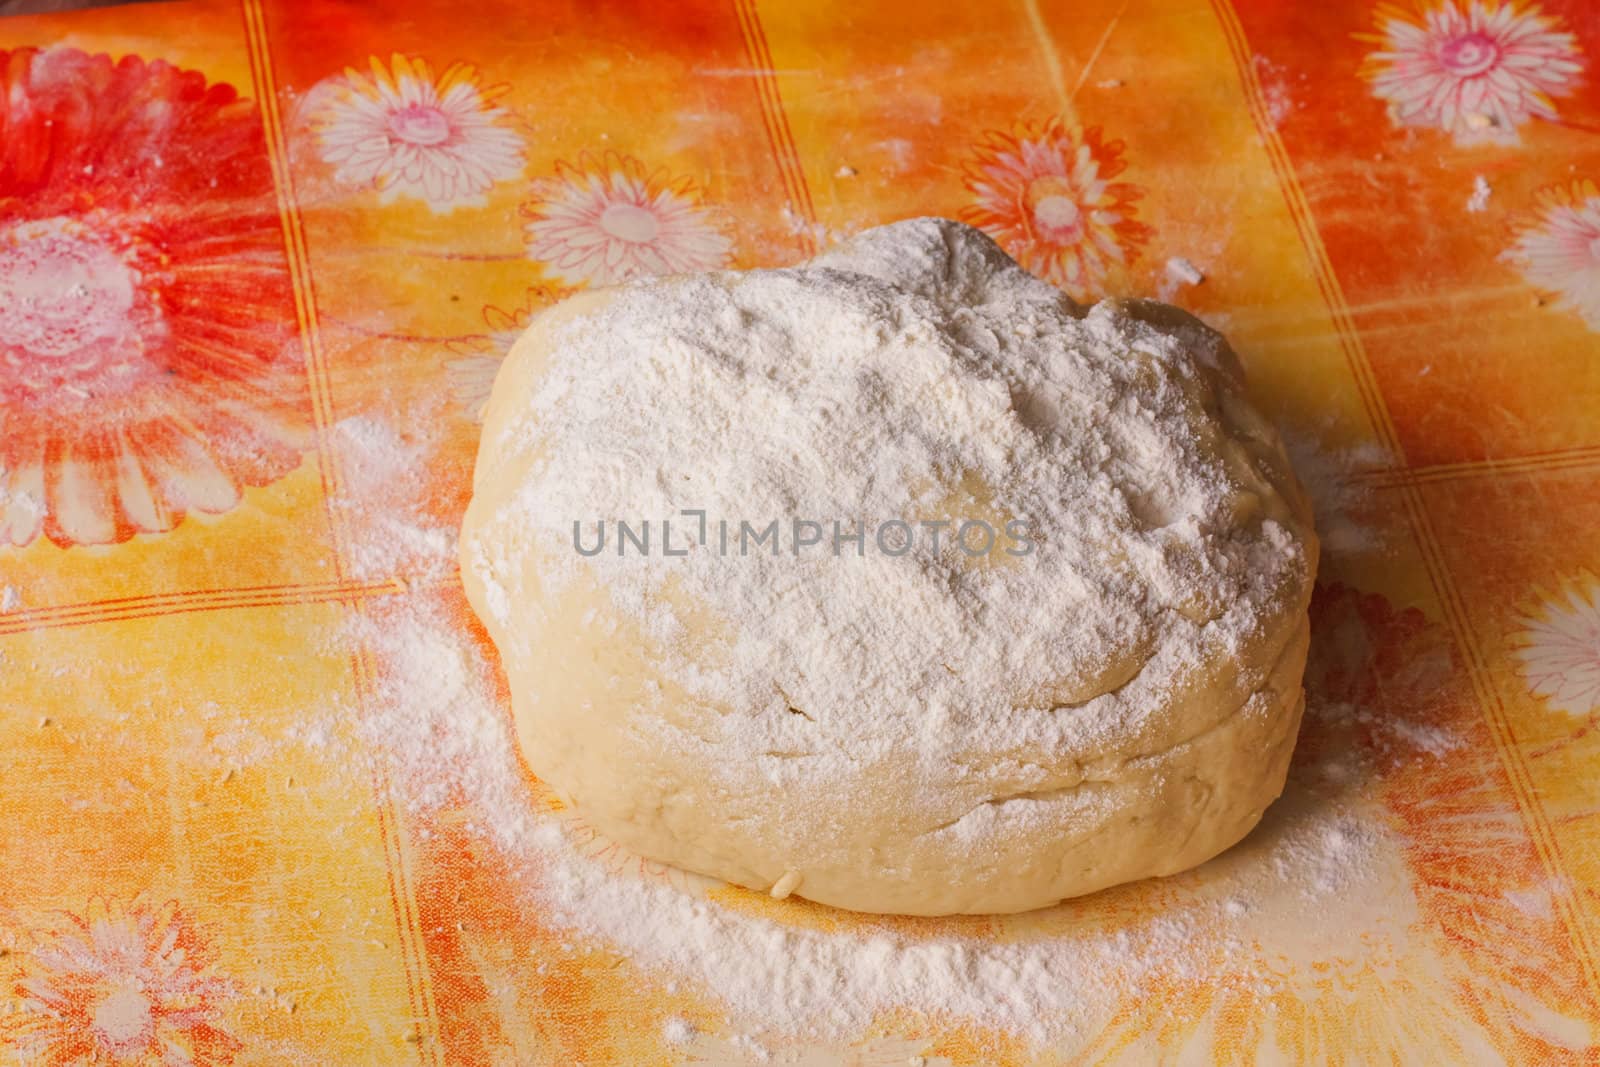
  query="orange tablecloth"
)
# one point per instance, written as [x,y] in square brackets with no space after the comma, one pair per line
[258,261]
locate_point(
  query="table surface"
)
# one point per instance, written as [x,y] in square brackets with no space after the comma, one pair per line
[259,260]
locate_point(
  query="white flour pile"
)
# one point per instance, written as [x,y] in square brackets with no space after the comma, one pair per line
[434,718]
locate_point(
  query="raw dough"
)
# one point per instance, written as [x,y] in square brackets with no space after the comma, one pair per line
[926,733]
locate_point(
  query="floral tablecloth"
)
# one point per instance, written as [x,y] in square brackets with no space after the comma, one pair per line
[259,261]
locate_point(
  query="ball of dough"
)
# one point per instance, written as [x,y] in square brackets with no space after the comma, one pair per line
[909,721]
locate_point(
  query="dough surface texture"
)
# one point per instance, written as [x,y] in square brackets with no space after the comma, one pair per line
[914,727]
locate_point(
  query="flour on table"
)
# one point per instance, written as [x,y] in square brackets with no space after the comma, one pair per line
[1436,741]
[21,508]
[1333,478]
[1276,94]
[381,503]
[449,744]
[1390,735]
[1536,902]
[1182,270]
[1479,200]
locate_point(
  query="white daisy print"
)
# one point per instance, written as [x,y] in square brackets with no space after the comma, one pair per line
[404,132]
[474,363]
[1477,70]
[1559,646]
[126,984]
[603,221]
[1557,248]
[472,376]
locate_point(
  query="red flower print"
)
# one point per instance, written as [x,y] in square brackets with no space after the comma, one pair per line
[1385,685]
[1045,194]
[147,357]
[124,986]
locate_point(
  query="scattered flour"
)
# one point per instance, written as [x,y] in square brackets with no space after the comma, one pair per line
[433,718]
[1043,977]
[820,234]
[1391,735]
[1237,921]
[1277,97]
[22,510]
[1181,270]
[382,504]
[1537,901]
[1332,477]
[1479,200]
[10,599]
[1436,741]
[678,1031]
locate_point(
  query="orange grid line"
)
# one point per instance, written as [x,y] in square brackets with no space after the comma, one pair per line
[780,137]
[157,604]
[402,898]
[1534,816]
[1561,459]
